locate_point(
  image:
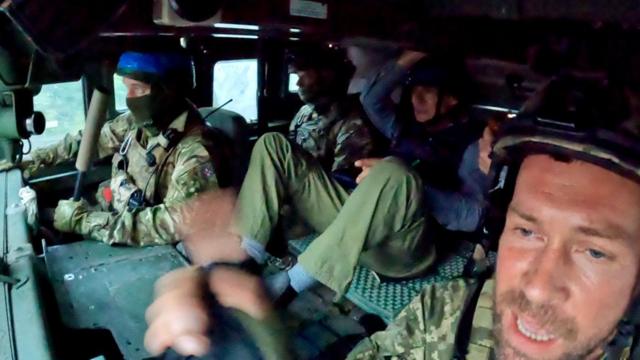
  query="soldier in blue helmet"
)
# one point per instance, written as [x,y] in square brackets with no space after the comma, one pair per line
[160,158]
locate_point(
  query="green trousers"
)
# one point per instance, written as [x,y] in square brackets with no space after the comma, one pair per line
[380,225]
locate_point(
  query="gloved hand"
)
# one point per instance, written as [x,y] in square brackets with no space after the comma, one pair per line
[69,215]
[6,165]
[29,167]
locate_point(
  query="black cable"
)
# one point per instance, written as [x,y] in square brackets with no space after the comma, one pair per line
[22,146]
[21,154]
[155,171]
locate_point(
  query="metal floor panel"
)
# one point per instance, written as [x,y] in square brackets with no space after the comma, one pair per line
[102,287]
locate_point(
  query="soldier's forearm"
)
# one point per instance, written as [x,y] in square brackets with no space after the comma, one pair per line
[64,150]
[154,225]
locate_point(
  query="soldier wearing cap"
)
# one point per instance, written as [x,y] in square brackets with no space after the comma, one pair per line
[160,158]
[330,124]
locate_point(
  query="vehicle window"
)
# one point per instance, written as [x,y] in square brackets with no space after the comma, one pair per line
[293,82]
[119,93]
[63,107]
[237,80]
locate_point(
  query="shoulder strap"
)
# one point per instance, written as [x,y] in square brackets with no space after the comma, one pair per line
[463,335]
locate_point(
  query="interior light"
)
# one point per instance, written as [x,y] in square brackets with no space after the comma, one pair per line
[295,30]
[235,36]
[236,26]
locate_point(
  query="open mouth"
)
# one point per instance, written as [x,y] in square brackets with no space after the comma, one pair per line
[529,337]
[532,332]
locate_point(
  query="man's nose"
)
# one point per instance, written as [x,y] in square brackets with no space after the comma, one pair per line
[545,281]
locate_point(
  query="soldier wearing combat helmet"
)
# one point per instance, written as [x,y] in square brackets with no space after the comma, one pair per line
[160,158]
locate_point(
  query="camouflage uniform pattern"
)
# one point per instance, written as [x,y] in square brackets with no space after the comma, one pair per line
[112,135]
[427,327]
[185,171]
[336,139]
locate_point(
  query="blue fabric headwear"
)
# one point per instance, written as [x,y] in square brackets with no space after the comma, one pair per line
[169,69]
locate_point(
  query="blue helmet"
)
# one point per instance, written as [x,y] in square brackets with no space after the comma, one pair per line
[172,70]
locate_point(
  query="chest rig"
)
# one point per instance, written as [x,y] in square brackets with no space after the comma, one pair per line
[136,170]
[313,131]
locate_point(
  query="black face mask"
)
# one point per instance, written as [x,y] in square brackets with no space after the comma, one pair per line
[155,111]
[140,108]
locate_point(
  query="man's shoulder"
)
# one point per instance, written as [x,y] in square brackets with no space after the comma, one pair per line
[121,123]
[428,325]
[303,113]
[436,311]
[194,144]
[440,309]
[124,118]
[445,298]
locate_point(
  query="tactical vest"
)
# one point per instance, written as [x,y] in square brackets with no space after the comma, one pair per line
[136,170]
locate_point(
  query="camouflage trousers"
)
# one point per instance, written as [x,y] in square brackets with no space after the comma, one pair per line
[380,225]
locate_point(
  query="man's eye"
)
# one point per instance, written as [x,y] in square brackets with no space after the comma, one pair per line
[596,254]
[524,232]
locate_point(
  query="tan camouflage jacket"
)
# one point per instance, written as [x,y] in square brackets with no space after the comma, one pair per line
[337,139]
[112,135]
[187,171]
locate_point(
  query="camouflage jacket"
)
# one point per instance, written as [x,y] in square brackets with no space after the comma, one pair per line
[427,328]
[186,170]
[112,135]
[336,139]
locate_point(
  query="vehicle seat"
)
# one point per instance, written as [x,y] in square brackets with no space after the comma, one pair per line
[231,133]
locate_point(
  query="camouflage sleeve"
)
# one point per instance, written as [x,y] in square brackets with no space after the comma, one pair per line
[157,225]
[111,136]
[425,329]
[64,150]
[353,142]
[113,133]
